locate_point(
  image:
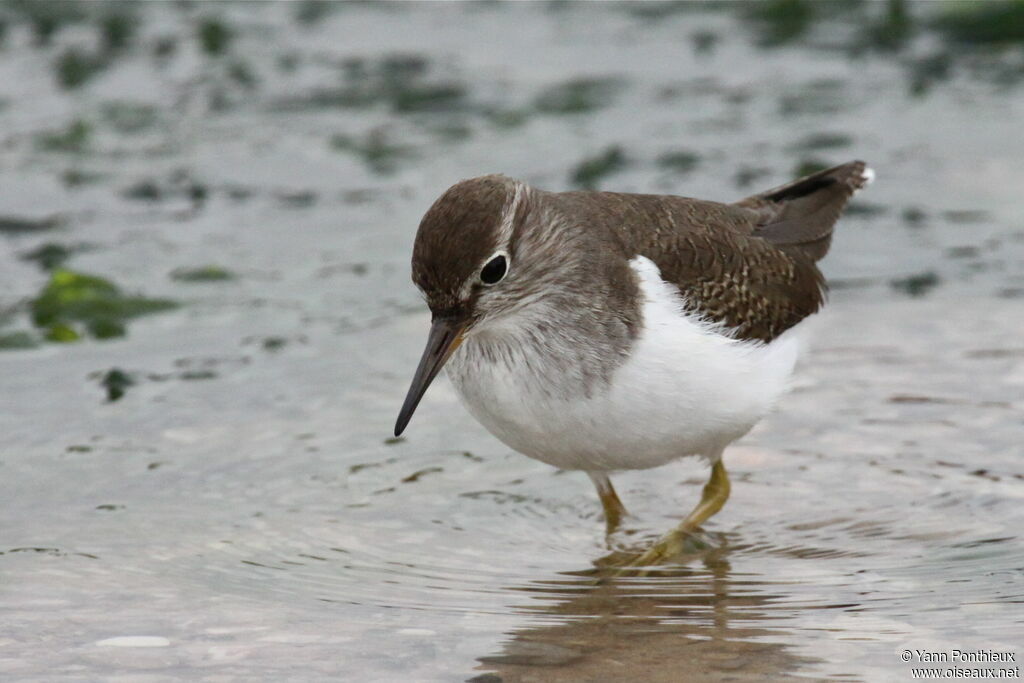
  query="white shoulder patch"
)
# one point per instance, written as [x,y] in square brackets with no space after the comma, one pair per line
[645,268]
[665,303]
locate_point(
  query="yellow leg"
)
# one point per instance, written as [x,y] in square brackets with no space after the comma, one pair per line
[614,510]
[716,492]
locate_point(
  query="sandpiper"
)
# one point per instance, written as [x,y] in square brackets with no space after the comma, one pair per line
[604,331]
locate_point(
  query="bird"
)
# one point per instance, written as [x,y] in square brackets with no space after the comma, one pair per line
[608,331]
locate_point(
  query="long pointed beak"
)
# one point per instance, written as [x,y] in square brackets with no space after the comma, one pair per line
[445,336]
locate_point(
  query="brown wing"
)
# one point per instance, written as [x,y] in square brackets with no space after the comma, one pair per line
[750,286]
[751,265]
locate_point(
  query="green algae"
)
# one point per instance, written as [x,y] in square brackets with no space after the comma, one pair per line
[214,36]
[578,96]
[894,30]
[20,225]
[996,22]
[116,382]
[47,18]
[591,171]
[817,141]
[117,28]
[505,118]
[916,285]
[376,150]
[74,139]
[75,67]
[73,304]
[679,161]
[923,73]
[74,178]
[310,12]
[207,273]
[18,341]
[809,166]
[61,334]
[817,97]
[126,116]
[242,73]
[179,185]
[51,255]
[781,21]
[400,82]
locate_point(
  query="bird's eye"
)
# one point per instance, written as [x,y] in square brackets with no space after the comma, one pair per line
[495,270]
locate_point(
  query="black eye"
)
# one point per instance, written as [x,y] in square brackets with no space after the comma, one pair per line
[494,270]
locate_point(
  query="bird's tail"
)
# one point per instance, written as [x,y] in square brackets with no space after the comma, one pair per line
[799,216]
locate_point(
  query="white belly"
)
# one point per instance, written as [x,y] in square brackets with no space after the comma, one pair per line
[685,389]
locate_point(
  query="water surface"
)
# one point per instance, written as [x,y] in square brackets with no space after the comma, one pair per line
[241,500]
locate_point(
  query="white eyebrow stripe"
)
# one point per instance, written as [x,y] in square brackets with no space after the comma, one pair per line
[505,228]
[508,217]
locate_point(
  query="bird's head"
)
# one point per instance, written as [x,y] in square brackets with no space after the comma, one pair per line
[478,261]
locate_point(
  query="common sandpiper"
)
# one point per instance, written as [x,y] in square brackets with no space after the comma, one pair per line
[605,331]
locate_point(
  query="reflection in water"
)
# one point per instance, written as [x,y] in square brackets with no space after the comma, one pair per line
[693,623]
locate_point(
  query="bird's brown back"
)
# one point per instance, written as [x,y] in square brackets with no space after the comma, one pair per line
[749,265]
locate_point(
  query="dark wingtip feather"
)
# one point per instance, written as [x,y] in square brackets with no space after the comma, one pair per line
[853,174]
[799,216]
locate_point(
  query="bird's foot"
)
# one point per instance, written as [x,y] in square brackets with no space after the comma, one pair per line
[677,543]
[684,539]
[671,555]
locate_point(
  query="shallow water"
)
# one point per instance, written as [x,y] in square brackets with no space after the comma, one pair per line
[242,500]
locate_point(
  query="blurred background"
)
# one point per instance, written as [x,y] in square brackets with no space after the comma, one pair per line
[207,327]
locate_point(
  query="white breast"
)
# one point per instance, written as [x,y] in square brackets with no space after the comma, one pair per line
[686,388]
